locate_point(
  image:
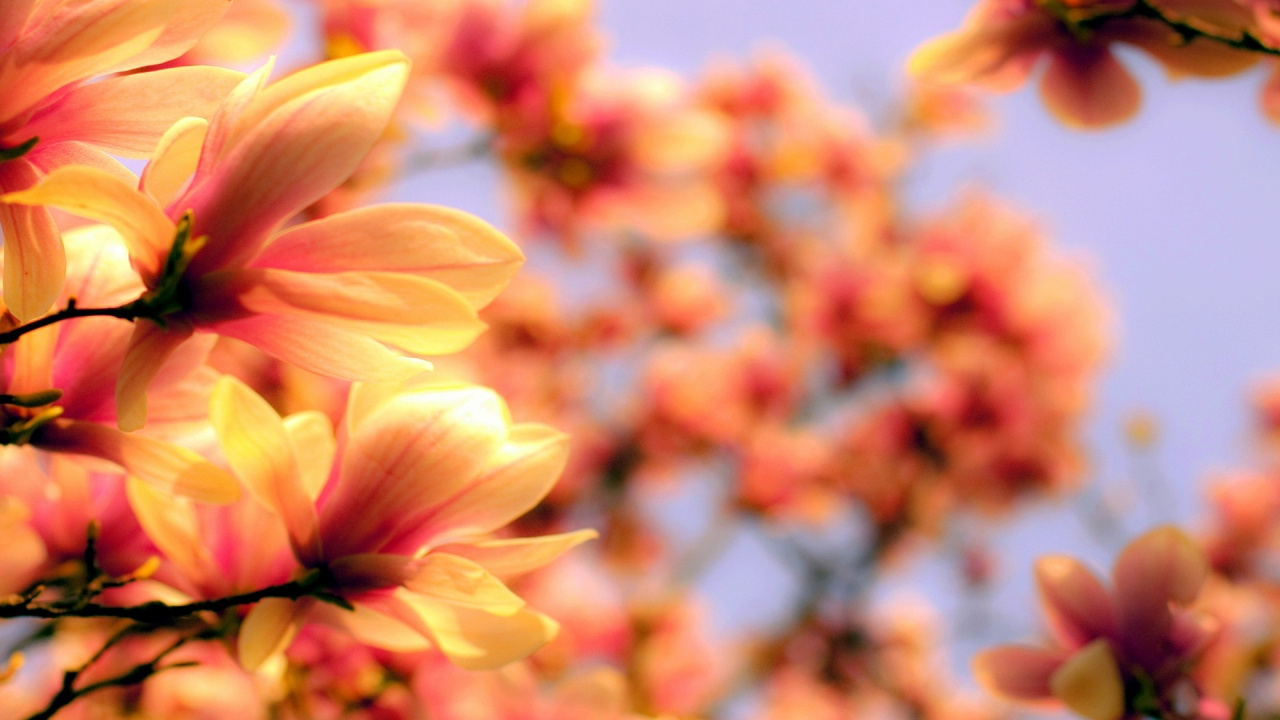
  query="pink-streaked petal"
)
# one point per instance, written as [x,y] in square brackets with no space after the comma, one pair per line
[266,631]
[15,15]
[1085,87]
[1161,567]
[407,458]
[126,115]
[74,41]
[49,157]
[1017,672]
[185,23]
[35,261]
[1078,607]
[460,581]
[367,69]
[516,479]
[311,433]
[511,558]
[1089,683]
[168,467]
[421,316]
[257,446]
[317,346]
[171,524]
[220,126]
[174,160]
[444,244]
[99,195]
[149,350]
[290,158]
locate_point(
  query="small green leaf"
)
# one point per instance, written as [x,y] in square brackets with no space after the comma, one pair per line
[17,151]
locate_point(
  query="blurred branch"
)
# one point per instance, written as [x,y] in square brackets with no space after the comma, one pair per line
[440,158]
[1188,27]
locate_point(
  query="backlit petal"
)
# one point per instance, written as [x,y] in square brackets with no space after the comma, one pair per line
[267,630]
[1017,672]
[509,558]
[150,347]
[257,446]
[451,246]
[174,160]
[128,114]
[1078,607]
[99,195]
[34,259]
[169,467]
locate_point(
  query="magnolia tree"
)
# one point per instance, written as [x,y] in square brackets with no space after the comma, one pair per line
[272,449]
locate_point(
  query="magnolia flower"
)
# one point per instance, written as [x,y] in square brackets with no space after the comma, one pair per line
[205,233]
[398,515]
[1085,85]
[1117,654]
[51,115]
[56,399]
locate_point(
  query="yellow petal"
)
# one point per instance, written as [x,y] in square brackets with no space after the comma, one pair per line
[518,477]
[258,448]
[456,248]
[34,258]
[1090,684]
[458,580]
[267,630]
[171,524]
[99,195]
[311,433]
[477,640]
[174,160]
[509,558]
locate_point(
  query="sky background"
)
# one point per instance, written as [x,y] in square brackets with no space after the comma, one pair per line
[1176,213]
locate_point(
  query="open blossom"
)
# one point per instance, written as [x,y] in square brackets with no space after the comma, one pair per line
[1002,41]
[1119,653]
[400,516]
[64,364]
[205,233]
[52,115]
[616,150]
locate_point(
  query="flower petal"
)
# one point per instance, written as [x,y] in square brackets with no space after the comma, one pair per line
[444,244]
[150,347]
[257,446]
[1017,672]
[1161,567]
[319,347]
[168,467]
[421,316]
[1078,607]
[513,557]
[174,160]
[99,195]
[267,630]
[171,524]
[1086,87]
[128,114]
[34,259]
[460,581]
[291,157]
[311,433]
[1089,683]
[474,639]
[516,479]
[408,457]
